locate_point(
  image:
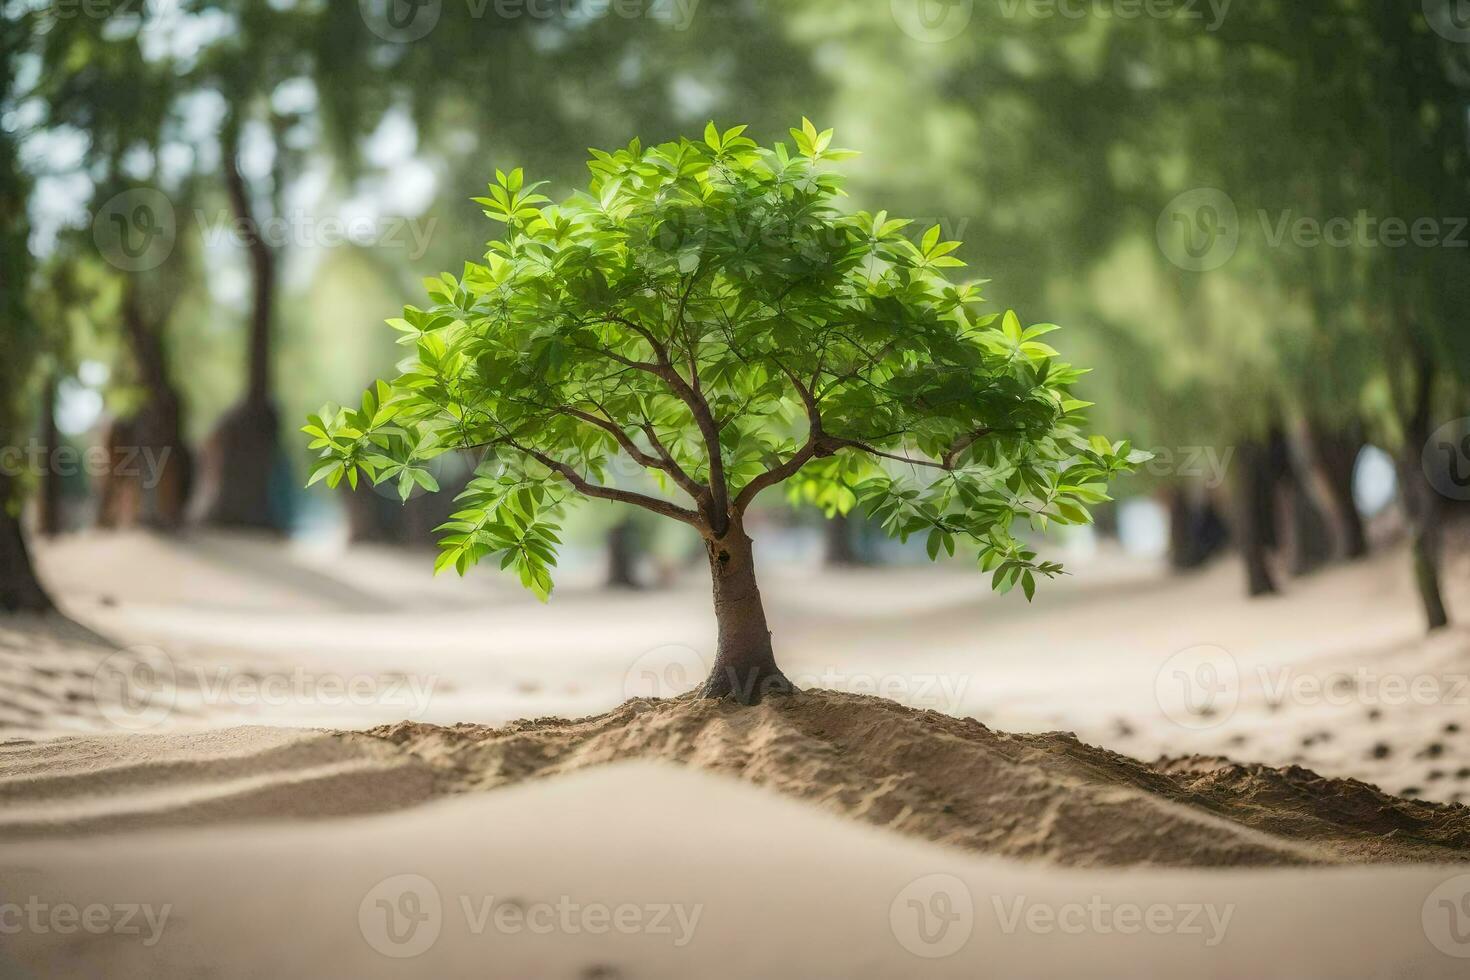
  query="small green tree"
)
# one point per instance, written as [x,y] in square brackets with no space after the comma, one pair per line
[705,311]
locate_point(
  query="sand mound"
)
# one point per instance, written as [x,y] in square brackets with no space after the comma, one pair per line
[88,784]
[955,781]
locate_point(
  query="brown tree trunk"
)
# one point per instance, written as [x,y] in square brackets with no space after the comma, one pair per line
[745,666]
[372,518]
[1196,531]
[1254,530]
[159,460]
[1336,454]
[1422,507]
[1311,533]
[241,454]
[117,496]
[20,590]
[841,551]
[1422,503]
[622,555]
[48,499]
[237,464]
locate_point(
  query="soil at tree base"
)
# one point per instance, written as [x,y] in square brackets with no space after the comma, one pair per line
[954,781]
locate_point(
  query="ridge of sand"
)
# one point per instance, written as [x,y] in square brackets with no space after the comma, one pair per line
[105,783]
[781,889]
[954,781]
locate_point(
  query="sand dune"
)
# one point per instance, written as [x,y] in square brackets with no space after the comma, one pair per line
[829,835]
[639,870]
[113,783]
[952,781]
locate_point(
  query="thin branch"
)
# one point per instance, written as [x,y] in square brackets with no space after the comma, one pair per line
[698,406]
[662,462]
[777,474]
[662,507]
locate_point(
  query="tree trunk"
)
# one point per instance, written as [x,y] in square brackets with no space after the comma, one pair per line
[160,460]
[1421,506]
[117,496]
[1422,503]
[20,590]
[1336,456]
[238,463]
[745,666]
[373,518]
[841,550]
[48,499]
[1254,530]
[1196,531]
[622,555]
[1311,532]
[241,454]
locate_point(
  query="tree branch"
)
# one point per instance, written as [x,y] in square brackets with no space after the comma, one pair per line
[661,507]
[663,461]
[777,474]
[698,407]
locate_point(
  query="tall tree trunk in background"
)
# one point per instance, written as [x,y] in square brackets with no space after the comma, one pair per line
[1105,519]
[372,518]
[1196,532]
[376,515]
[20,590]
[745,666]
[48,498]
[1254,516]
[1421,500]
[1336,455]
[1309,505]
[160,461]
[240,457]
[841,548]
[622,555]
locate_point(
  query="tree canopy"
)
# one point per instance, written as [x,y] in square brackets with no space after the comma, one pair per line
[705,310]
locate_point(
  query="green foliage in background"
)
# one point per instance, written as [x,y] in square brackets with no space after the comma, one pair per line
[705,310]
[21,336]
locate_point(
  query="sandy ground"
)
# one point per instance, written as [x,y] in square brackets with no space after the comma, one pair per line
[1336,677]
[643,871]
[206,634]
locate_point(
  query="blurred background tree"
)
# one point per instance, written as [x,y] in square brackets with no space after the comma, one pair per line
[1186,192]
